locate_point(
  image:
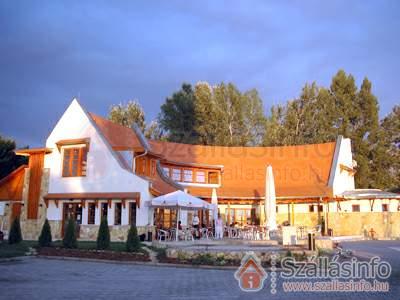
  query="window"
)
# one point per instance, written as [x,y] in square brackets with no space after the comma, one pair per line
[311,208]
[277,210]
[176,174]
[74,162]
[132,213]
[166,171]
[355,208]
[117,213]
[385,207]
[187,175]
[320,208]
[104,210]
[200,177]
[213,177]
[91,213]
[242,216]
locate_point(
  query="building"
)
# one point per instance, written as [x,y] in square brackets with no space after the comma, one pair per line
[92,168]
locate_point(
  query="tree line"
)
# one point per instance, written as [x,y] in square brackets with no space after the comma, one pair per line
[223,115]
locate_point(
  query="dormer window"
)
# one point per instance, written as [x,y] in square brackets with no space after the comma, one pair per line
[74,161]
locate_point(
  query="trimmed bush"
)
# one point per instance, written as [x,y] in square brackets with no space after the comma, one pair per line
[103,236]
[133,242]
[45,238]
[69,240]
[15,235]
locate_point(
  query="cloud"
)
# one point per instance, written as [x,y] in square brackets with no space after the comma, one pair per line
[108,52]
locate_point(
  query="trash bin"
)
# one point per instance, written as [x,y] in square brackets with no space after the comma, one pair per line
[311,241]
[149,236]
[330,232]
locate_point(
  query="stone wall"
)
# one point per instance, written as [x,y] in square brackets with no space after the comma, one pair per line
[385,224]
[117,233]
[31,228]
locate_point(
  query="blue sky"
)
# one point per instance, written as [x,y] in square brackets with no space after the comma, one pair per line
[112,51]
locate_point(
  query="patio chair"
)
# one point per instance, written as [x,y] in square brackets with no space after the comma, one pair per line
[204,233]
[188,235]
[163,234]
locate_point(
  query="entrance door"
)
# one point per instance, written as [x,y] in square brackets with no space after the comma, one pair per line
[72,211]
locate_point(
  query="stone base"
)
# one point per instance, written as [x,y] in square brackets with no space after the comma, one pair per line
[89,232]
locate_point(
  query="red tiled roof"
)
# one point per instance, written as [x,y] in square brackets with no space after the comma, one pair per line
[118,136]
[299,171]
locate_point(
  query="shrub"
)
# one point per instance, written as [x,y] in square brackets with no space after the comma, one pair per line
[133,242]
[103,236]
[45,236]
[69,240]
[15,235]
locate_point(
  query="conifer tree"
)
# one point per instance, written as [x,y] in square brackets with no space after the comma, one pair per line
[103,236]
[69,240]
[45,237]
[133,242]
[15,235]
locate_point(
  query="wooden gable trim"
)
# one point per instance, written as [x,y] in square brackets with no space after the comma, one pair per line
[12,185]
[72,142]
[344,168]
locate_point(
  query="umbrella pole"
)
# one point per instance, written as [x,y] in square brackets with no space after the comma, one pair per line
[177,227]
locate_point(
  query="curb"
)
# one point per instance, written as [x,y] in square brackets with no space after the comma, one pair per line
[149,264]
[16,258]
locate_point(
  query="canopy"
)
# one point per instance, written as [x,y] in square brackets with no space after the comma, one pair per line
[180,199]
[270,199]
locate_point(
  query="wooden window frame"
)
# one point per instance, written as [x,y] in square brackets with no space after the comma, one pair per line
[204,176]
[101,210]
[184,175]
[117,216]
[209,179]
[180,174]
[81,168]
[131,204]
[90,207]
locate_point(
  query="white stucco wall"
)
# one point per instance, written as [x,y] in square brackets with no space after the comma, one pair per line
[342,180]
[104,172]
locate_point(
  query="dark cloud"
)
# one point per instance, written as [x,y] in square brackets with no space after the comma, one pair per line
[108,52]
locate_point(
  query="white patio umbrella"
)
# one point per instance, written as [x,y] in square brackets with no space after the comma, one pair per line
[214,202]
[270,199]
[180,200]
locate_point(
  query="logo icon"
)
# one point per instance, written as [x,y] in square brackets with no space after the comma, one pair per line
[251,274]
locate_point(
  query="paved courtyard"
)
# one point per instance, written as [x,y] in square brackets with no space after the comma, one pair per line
[57,279]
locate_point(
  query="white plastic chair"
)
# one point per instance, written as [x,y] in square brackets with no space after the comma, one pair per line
[163,234]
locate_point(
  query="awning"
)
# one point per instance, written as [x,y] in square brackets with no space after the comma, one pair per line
[180,199]
[94,196]
[368,194]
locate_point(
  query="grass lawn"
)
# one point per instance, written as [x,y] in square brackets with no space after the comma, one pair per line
[7,250]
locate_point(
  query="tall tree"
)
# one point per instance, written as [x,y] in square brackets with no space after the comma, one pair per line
[128,114]
[389,160]
[9,161]
[154,131]
[227,117]
[177,116]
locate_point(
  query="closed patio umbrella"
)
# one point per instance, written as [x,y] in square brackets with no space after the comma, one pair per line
[270,199]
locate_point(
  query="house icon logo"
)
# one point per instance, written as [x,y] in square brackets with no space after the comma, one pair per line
[251,274]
